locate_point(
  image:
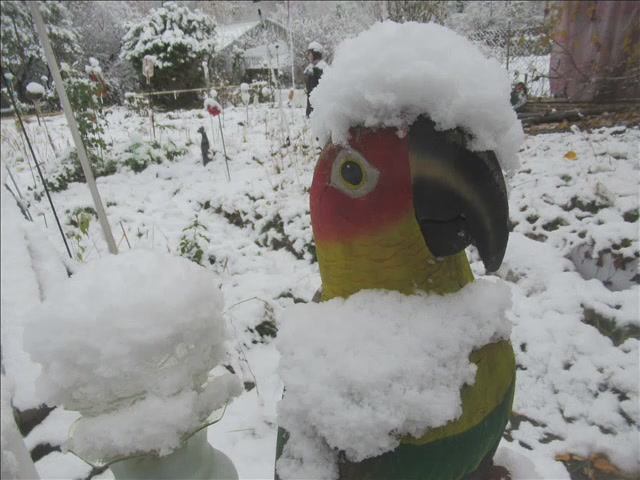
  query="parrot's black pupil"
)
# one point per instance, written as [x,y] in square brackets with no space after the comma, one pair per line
[351,172]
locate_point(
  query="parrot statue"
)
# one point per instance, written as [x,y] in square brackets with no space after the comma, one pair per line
[396,212]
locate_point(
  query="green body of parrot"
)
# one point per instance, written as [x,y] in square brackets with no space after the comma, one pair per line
[396,213]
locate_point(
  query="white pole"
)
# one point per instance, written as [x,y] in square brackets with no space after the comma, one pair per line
[73,126]
[293,83]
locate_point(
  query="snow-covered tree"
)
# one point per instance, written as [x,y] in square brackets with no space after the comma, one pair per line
[178,39]
[22,54]
[101,26]
[482,15]
[232,11]
[326,22]
[418,11]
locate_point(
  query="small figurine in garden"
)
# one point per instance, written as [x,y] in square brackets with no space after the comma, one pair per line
[314,70]
[204,147]
[519,96]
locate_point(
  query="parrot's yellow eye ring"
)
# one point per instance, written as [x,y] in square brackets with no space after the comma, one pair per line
[352,174]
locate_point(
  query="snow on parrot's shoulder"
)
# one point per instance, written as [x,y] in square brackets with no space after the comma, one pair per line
[354,399]
[390,74]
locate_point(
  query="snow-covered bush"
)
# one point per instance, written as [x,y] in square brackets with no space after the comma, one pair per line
[137,103]
[328,23]
[481,16]
[140,154]
[194,242]
[22,54]
[137,156]
[129,341]
[83,93]
[179,39]
[69,170]
[100,27]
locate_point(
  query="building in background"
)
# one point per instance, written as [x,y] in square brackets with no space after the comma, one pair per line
[253,51]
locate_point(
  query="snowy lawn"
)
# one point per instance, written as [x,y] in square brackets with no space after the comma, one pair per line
[571,266]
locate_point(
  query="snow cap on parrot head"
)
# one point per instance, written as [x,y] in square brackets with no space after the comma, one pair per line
[315,47]
[393,73]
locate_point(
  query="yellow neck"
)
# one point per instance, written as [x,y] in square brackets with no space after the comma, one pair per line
[396,258]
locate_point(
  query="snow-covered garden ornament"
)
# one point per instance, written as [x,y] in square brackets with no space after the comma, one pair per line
[132,342]
[244,93]
[36,93]
[205,70]
[148,64]
[245,96]
[411,174]
[94,70]
[214,109]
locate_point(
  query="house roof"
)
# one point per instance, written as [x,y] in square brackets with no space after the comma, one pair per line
[260,57]
[228,34]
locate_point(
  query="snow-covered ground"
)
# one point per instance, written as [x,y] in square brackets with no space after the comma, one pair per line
[571,265]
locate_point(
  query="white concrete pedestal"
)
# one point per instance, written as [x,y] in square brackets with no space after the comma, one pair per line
[196,459]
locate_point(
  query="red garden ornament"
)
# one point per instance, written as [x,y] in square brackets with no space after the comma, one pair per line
[212,107]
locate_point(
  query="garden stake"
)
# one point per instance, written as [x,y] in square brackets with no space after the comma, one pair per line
[26,156]
[73,126]
[153,123]
[35,160]
[21,198]
[213,135]
[44,123]
[224,150]
[125,235]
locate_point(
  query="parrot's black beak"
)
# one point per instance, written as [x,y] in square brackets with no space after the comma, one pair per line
[459,196]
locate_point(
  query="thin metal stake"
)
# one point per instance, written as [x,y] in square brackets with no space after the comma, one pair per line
[21,198]
[35,160]
[26,156]
[224,150]
[46,130]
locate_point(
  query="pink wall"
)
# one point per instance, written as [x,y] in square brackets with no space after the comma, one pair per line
[596,52]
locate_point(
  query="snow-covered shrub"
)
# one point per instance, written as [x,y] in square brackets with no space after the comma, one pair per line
[328,23]
[83,93]
[129,341]
[84,90]
[179,39]
[137,103]
[194,242]
[100,27]
[69,170]
[81,219]
[140,154]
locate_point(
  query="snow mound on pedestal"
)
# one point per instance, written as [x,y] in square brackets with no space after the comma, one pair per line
[155,424]
[390,74]
[128,340]
[362,372]
[35,88]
